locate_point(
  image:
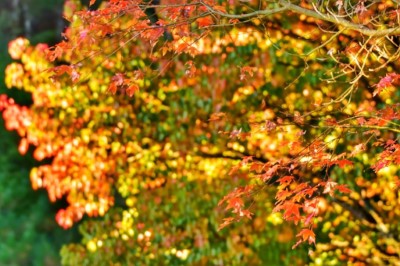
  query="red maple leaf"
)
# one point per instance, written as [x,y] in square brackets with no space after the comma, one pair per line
[286,179]
[204,22]
[235,203]
[343,188]
[342,163]
[292,211]
[306,235]
[283,195]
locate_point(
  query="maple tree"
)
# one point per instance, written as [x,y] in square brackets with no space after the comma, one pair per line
[152,115]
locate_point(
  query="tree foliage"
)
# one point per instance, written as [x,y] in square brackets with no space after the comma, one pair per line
[158,117]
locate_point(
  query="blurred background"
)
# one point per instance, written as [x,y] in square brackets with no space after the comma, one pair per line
[28,231]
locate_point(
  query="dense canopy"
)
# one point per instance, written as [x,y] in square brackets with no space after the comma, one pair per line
[211,132]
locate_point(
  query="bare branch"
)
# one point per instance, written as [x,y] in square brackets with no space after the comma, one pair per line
[329,17]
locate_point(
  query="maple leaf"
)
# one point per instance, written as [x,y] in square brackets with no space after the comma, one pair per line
[234,169]
[309,191]
[69,70]
[300,187]
[61,69]
[130,91]
[116,82]
[204,22]
[153,34]
[292,211]
[286,179]
[257,167]
[227,221]
[112,88]
[385,82]
[246,213]
[235,203]
[270,172]
[329,187]
[380,164]
[282,195]
[388,113]
[182,47]
[342,163]
[306,235]
[343,188]
[236,193]
[57,51]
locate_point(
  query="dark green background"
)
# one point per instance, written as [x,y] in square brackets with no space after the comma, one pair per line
[29,234]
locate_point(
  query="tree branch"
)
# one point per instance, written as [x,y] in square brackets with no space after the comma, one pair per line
[265,12]
[288,6]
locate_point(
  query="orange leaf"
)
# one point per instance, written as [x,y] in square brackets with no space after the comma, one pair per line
[234,169]
[286,179]
[234,203]
[283,195]
[246,213]
[343,163]
[227,221]
[130,91]
[217,116]
[292,212]
[343,188]
[204,22]
[307,234]
[112,88]
[181,47]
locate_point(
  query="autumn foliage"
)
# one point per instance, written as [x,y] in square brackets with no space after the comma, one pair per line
[192,130]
